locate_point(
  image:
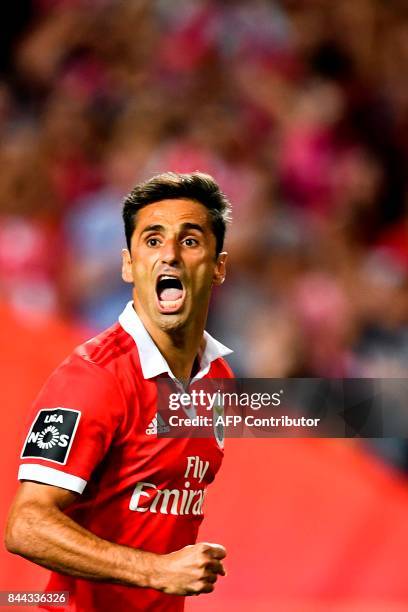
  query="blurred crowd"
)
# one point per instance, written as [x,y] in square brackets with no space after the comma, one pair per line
[299,108]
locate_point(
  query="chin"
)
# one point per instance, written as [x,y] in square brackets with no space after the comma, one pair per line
[171,322]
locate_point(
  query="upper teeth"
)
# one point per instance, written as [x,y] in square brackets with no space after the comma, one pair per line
[166,276]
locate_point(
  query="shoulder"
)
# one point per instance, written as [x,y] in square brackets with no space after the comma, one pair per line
[106,360]
[112,344]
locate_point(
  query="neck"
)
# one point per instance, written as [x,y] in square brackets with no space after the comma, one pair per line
[179,347]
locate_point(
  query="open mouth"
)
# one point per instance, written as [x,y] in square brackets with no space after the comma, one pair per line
[170,293]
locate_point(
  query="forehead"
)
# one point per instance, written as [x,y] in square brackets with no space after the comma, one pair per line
[172,213]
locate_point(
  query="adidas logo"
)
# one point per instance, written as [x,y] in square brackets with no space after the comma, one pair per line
[156,426]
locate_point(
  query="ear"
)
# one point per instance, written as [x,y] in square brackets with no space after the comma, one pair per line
[220,269]
[127,273]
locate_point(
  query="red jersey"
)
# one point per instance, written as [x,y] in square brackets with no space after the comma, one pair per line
[93,430]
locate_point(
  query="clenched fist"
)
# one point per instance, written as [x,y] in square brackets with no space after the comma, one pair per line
[190,571]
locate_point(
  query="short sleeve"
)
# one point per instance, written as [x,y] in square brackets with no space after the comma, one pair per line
[71,425]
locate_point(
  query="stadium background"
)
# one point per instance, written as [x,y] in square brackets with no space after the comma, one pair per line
[300,110]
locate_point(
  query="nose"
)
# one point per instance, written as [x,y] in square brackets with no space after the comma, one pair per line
[170,252]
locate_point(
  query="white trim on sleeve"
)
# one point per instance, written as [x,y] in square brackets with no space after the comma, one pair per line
[51,476]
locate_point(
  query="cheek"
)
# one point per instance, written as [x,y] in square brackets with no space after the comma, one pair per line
[204,274]
[141,272]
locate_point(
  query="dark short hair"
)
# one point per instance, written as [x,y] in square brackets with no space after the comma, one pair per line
[195,186]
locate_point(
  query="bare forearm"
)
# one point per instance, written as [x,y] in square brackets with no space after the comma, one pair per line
[39,530]
[50,538]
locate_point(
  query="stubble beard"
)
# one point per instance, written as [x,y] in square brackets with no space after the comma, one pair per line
[171,324]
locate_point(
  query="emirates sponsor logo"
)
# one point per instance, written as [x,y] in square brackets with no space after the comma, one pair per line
[147,497]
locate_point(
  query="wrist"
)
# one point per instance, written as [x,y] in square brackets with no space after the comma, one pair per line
[155,571]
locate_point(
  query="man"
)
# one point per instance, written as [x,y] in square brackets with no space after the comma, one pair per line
[105,503]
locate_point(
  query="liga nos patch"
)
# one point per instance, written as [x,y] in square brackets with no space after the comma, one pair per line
[51,435]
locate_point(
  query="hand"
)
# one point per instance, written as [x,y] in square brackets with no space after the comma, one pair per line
[190,571]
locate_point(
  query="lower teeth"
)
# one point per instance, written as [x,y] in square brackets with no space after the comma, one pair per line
[170,303]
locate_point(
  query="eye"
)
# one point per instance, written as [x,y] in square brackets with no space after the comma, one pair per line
[152,242]
[190,242]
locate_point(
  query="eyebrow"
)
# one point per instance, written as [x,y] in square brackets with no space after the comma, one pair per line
[192,226]
[185,226]
[153,228]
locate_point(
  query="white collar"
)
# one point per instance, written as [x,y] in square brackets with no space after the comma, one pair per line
[152,361]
